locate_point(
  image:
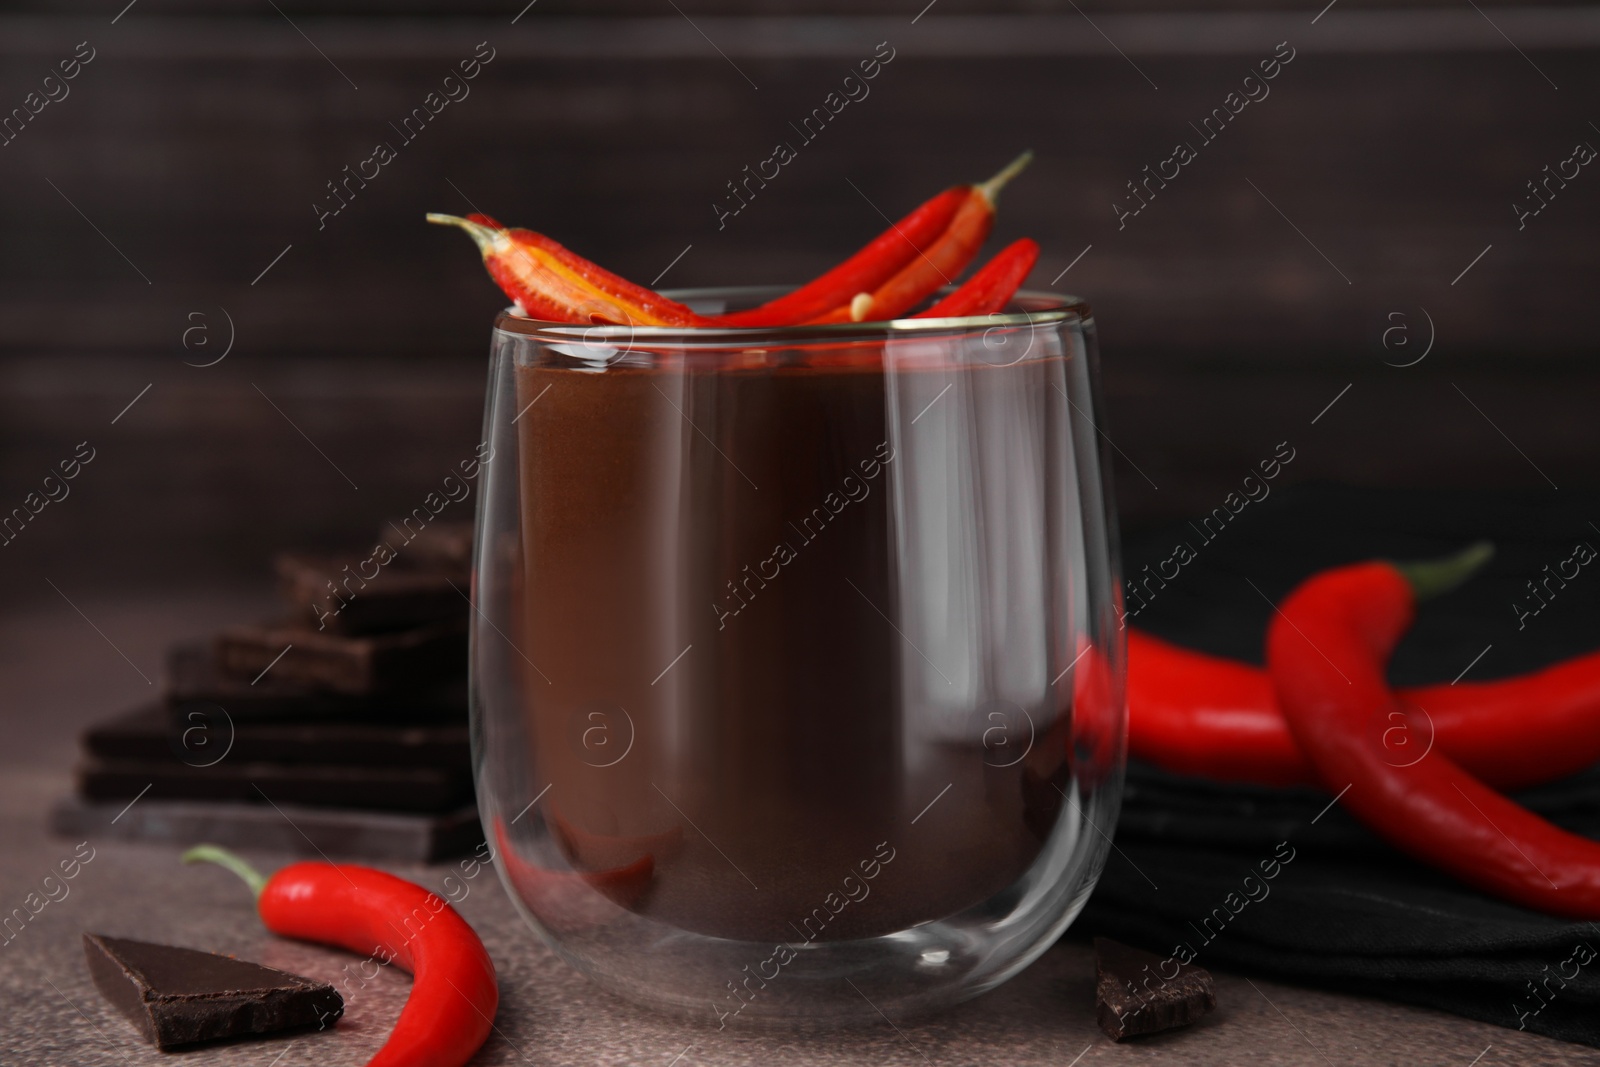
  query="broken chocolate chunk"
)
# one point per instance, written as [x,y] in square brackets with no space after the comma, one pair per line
[401,837]
[180,996]
[348,595]
[201,737]
[354,665]
[196,683]
[419,789]
[436,545]
[1134,995]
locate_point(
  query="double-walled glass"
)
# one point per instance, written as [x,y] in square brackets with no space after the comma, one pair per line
[797,671]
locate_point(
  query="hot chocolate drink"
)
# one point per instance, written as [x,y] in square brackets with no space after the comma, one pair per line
[727,577]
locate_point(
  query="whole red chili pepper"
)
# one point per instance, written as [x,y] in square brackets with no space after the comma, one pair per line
[1327,648]
[1217,718]
[945,257]
[454,996]
[874,264]
[1191,713]
[991,286]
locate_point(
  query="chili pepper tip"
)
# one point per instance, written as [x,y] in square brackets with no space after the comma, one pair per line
[1434,577]
[991,188]
[485,237]
[223,858]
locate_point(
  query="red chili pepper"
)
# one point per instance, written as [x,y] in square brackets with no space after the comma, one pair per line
[869,268]
[1327,648]
[1097,738]
[1191,713]
[991,287]
[550,282]
[890,275]
[454,996]
[933,266]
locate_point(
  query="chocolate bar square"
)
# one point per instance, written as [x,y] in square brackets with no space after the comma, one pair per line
[443,546]
[375,663]
[400,837]
[355,595]
[194,683]
[1134,996]
[419,789]
[206,736]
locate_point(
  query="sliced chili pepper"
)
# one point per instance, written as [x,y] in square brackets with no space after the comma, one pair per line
[874,264]
[550,282]
[453,998]
[991,287]
[935,265]
[890,275]
[1327,648]
[1217,718]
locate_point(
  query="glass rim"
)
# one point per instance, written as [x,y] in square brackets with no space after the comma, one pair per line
[1039,308]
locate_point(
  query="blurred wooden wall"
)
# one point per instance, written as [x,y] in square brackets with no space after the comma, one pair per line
[172,187]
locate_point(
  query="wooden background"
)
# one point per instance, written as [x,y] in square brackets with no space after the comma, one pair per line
[1247,296]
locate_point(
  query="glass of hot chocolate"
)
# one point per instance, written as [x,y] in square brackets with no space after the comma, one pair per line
[797,669]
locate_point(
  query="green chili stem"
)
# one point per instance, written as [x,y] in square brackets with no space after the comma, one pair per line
[223,858]
[485,236]
[1434,577]
[991,188]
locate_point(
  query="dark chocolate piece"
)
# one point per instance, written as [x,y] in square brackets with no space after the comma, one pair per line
[353,595]
[438,545]
[354,665]
[290,829]
[200,737]
[195,683]
[421,789]
[180,996]
[1133,996]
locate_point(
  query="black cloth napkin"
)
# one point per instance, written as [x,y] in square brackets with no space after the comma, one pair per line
[1341,909]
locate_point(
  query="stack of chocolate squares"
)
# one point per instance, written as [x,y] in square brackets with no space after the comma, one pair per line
[341,729]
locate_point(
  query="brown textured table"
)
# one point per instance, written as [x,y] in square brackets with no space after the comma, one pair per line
[56,673]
